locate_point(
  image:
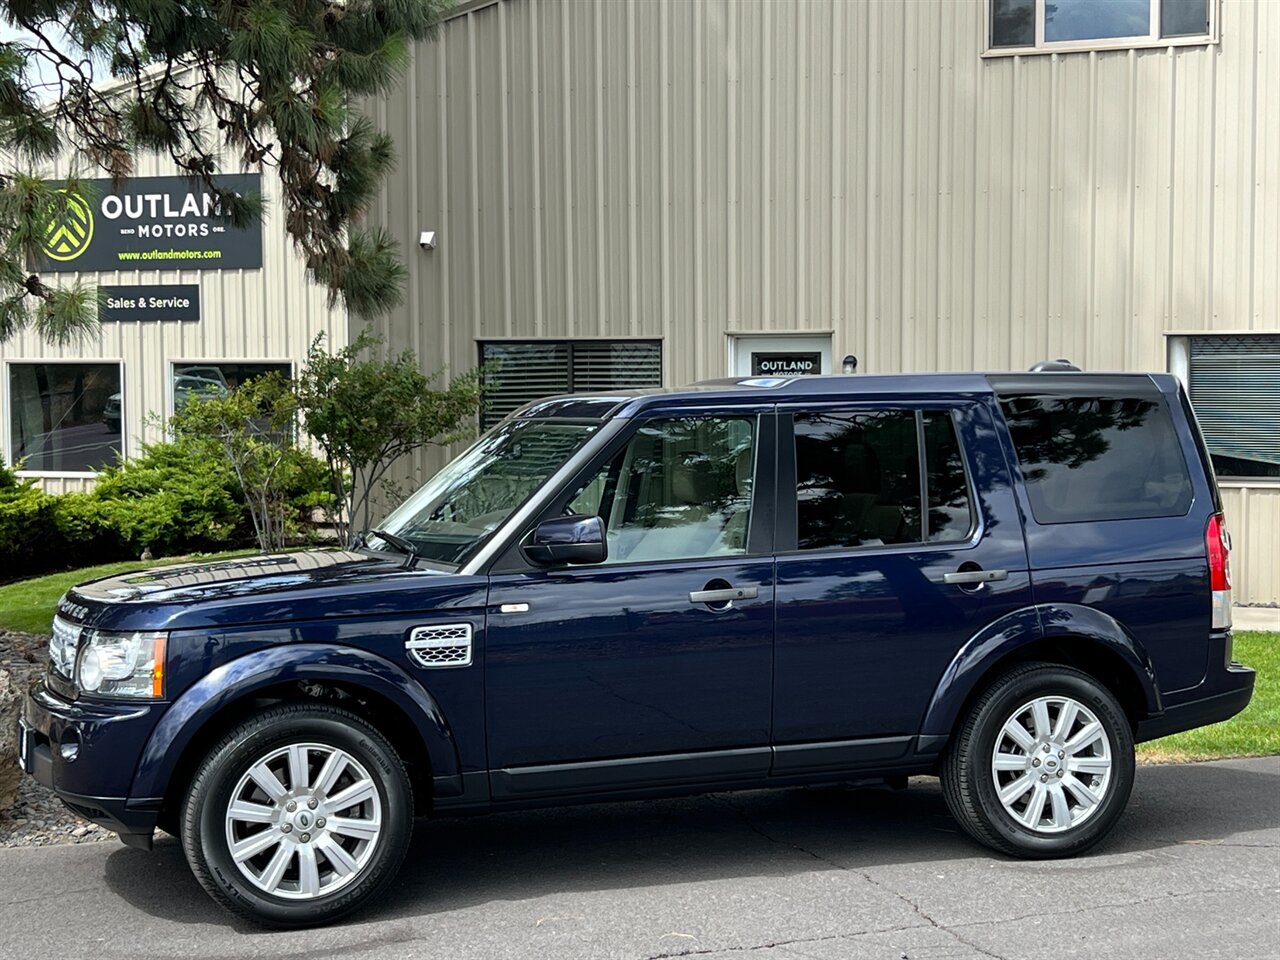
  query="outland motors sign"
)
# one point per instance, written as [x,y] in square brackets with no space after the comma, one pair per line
[151,223]
[785,364]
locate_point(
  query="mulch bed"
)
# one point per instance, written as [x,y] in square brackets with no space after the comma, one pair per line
[38,818]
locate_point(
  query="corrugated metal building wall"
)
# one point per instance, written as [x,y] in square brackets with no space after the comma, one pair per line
[271,313]
[690,169]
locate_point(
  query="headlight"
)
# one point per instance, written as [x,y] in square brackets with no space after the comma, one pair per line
[122,665]
[62,646]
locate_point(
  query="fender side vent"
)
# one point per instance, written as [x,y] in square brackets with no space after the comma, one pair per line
[440,645]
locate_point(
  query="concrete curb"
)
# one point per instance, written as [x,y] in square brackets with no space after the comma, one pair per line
[1255,618]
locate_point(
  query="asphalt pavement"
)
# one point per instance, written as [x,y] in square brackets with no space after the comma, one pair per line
[1192,871]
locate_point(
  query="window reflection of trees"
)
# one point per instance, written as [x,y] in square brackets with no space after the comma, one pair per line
[857,478]
[950,508]
[1068,431]
[1098,458]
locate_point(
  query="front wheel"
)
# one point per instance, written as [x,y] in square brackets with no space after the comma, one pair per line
[1042,765]
[298,816]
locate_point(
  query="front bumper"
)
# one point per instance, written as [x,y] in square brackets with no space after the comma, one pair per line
[86,752]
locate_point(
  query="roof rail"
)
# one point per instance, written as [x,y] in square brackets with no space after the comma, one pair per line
[1054,366]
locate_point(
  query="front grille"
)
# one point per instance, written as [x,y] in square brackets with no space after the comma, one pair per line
[440,645]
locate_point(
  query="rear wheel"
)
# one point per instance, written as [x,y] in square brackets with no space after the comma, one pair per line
[1042,765]
[298,816]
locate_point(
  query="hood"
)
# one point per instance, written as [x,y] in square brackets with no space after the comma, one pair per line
[311,584]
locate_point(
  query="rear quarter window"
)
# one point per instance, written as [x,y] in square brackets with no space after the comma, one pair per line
[1098,458]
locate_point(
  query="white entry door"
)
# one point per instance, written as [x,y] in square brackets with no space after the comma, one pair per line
[780,356]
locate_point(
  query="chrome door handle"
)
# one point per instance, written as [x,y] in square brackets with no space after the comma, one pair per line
[975,576]
[727,595]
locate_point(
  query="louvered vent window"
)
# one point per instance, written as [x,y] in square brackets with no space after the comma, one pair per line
[518,373]
[1235,389]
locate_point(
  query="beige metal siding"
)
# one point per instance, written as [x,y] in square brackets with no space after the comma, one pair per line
[271,313]
[691,168]
[1253,517]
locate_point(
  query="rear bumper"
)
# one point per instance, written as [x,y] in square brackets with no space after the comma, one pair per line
[1229,691]
[91,780]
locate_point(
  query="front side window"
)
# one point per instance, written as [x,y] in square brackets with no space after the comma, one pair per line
[451,515]
[1098,458]
[65,417]
[1235,390]
[1030,25]
[679,490]
[516,373]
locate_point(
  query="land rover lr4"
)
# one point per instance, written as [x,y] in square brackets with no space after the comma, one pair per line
[1003,580]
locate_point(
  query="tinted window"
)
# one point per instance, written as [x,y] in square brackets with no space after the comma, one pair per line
[1183,18]
[1013,23]
[858,479]
[950,508]
[65,417]
[681,489]
[1098,458]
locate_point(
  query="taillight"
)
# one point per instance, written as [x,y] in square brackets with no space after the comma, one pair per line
[1217,544]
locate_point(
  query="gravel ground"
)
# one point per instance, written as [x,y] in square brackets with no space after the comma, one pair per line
[38,819]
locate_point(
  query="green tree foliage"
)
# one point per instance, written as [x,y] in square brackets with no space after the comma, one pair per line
[214,85]
[251,432]
[365,413]
[175,498]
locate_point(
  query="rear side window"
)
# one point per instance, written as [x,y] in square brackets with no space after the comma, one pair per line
[858,479]
[950,507]
[1098,458]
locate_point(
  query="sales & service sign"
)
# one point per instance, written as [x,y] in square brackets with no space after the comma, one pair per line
[150,223]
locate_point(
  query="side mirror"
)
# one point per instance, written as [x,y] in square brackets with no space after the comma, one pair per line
[577,539]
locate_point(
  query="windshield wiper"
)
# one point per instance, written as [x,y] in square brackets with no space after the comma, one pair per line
[406,547]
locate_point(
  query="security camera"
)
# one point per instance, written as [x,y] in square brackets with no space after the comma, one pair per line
[427,239]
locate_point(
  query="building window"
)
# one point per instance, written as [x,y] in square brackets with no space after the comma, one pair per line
[1028,26]
[517,373]
[65,417]
[196,378]
[1235,389]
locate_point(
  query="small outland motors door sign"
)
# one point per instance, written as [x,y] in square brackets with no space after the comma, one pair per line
[786,364]
[150,223]
[177,301]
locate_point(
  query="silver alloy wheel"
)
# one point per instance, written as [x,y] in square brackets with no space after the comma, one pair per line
[1051,764]
[303,821]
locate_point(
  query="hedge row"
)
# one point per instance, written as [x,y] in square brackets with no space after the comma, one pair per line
[172,500]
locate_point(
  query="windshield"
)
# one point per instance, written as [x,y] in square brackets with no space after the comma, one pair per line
[457,509]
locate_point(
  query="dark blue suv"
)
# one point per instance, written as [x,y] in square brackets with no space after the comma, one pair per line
[1003,580]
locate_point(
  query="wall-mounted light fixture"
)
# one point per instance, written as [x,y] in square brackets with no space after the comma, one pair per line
[849,364]
[427,239]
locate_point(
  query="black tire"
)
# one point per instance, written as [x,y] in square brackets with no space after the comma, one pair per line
[967,768]
[204,829]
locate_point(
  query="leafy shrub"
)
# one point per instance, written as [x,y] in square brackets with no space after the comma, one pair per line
[251,433]
[26,527]
[366,413]
[173,499]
